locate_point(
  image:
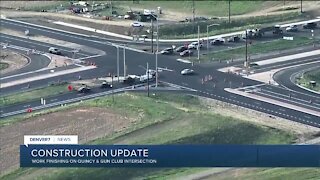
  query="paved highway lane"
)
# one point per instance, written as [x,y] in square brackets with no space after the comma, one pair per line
[301,100]
[65,36]
[286,78]
[284,93]
[278,65]
[35,62]
[29,74]
[43,47]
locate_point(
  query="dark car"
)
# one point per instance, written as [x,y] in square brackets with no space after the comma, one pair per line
[84,89]
[310,25]
[167,51]
[234,39]
[186,53]
[181,49]
[217,42]
[129,81]
[105,85]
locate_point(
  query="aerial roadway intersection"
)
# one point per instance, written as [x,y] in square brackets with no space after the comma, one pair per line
[111,58]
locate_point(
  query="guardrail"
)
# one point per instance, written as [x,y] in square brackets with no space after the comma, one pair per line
[73,100]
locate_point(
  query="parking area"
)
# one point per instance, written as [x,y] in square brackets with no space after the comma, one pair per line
[189,49]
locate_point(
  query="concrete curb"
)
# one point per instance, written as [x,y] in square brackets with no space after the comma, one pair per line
[304,71]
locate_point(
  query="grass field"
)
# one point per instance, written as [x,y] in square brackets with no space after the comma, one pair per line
[165,119]
[210,8]
[33,5]
[3,65]
[311,76]
[32,95]
[256,48]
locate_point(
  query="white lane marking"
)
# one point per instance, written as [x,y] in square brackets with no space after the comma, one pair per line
[273,101]
[287,96]
[294,64]
[165,69]
[86,28]
[61,32]
[288,58]
[39,44]
[97,55]
[268,86]
[184,61]
[178,86]
[253,86]
[286,99]
[45,76]
[36,25]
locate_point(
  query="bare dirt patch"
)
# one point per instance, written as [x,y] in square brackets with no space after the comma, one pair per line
[15,60]
[87,123]
[27,4]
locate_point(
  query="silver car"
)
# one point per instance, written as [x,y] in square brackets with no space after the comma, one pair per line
[187,71]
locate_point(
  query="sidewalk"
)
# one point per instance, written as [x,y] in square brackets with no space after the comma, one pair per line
[288,58]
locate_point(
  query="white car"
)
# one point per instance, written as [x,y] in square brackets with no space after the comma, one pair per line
[194,45]
[187,71]
[126,16]
[137,24]
[54,50]
[151,72]
[293,28]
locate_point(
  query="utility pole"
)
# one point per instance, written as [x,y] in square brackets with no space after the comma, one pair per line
[301,6]
[229,11]
[151,35]
[111,7]
[198,47]
[148,77]
[193,16]
[124,61]
[246,61]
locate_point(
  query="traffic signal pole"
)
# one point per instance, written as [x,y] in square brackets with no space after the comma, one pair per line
[148,78]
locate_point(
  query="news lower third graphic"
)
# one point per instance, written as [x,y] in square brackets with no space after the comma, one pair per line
[64,151]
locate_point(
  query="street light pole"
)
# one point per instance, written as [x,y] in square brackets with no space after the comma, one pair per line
[124,61]
[151,35]
[198,47]
[118,73]
[208,33]
[207,39]
[246,63]
[157,52]
[312,37]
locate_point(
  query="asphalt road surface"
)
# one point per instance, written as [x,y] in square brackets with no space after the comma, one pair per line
[136,61]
